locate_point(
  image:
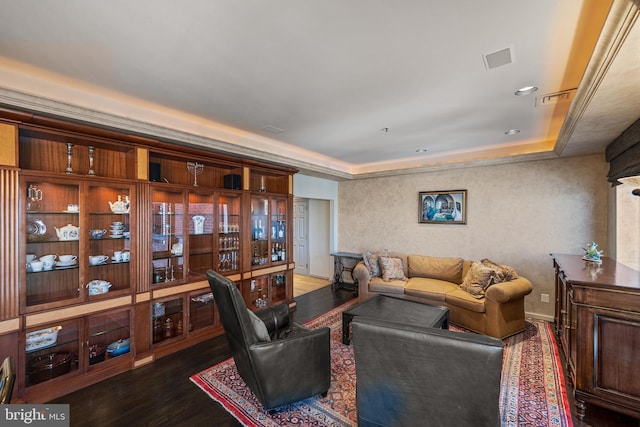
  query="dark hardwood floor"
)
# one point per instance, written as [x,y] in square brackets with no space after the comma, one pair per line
[161,394]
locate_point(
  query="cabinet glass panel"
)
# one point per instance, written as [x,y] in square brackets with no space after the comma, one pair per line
[259,231]
[51,351]
[201,235]
[259,292]
[109,235]
[278,288]
[108,337]
[167,319]
[202,312]
[229,241]
[167,221]
[278,230]
[52,230]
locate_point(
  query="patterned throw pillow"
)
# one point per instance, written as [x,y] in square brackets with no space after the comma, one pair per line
[371,261]
[478,279]
[504,272]
[391,269]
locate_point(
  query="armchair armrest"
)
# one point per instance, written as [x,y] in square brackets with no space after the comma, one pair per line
[298,364]
[361,275]
[509,291]
[275,317]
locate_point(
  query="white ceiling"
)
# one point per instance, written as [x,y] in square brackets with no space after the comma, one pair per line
[355,86]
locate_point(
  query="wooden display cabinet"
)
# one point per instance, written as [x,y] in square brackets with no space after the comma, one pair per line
[167,234]
[229,233]
[201,224]
[167,319]
[203,313]
[269,289]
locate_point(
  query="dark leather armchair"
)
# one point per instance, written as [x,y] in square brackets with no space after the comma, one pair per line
[291,364]
[412,375]
[7,378]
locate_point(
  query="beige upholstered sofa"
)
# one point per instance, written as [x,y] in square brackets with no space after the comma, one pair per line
[496,309]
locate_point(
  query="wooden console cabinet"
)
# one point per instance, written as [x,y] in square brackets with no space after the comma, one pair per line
[598,322]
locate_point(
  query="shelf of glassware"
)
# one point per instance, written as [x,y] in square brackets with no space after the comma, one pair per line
[167,222]
[229,233]
[268,233]
[269,289]
[201,234]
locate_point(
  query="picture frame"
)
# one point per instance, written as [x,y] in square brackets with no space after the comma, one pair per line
[442,207]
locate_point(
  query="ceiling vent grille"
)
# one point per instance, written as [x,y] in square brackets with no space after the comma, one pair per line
[556,98]
[498,58]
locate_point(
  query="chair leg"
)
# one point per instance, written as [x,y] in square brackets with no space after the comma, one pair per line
[324,393]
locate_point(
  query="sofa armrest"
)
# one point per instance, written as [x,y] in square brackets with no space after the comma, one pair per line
[361,275]
[509,291]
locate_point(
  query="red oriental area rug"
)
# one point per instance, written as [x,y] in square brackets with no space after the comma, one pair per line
[533,391]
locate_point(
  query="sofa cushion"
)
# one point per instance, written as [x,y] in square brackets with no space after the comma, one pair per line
[371,261]
[478,279]
[463,299]
[391,287]
[447,269]
[433,289]
[391,269]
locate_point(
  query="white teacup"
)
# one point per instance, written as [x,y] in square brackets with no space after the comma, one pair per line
[48,265]
[117,256]
[72,208]
[67,258]
[48,258]
[37,265]
[126,256]
[97,259]
[31,257]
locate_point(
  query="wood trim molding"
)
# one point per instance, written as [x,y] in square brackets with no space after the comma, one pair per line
[165,292]
[9,249]
[77,311]
[8,145]
[8,326]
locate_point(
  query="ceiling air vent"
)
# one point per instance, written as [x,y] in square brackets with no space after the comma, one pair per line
[272,129]
[556,98]
[496,59]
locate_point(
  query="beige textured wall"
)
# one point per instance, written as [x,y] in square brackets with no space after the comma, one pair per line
[627,226]
[517,214]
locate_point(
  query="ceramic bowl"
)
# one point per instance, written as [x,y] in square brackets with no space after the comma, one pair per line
[97,287]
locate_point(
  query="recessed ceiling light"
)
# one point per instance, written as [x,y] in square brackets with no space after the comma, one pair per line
[421,150]
[527,90]
[511,131]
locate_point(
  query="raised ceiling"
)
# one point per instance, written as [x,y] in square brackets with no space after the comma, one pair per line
[336,88]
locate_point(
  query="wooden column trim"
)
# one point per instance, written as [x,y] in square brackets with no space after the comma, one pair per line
[9,249]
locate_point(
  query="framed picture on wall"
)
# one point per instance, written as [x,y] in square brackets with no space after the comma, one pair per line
[442,207]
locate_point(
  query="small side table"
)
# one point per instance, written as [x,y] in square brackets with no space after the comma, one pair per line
[344,262]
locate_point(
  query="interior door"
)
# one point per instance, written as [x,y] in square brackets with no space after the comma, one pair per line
[301,236]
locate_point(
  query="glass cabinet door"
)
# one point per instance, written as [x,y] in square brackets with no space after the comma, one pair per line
[259,231]
[167,221]
[278,287]
[278,230]
[229,241]
[109,236]
[109,337]
[51,242]
[167,318]
[52,351]
[201,226]
[202,310]
[259,292]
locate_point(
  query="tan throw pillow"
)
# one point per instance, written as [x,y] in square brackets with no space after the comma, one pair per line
[391,269]
[371,261]
[259,327]
[448,269]
[504,272]
[478,279]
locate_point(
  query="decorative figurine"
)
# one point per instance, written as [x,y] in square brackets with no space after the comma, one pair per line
[592,254]
[195,169]
[91,171]
[69,169]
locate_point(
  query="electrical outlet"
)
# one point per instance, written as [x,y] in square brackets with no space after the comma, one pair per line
[544,297]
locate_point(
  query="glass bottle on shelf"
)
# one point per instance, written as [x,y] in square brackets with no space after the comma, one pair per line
[228,233]
[279,227]
[51,241]
[259,232]
[167,319]
[167,222]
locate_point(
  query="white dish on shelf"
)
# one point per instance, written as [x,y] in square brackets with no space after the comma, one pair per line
[67,263]
[116,236]
[42,338]
[72,212]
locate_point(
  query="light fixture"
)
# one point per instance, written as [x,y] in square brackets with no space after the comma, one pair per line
[527,90]
[511,131]
[633,181]
[421,150]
